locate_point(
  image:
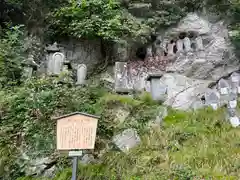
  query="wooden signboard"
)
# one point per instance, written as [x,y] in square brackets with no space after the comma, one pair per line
[76,131]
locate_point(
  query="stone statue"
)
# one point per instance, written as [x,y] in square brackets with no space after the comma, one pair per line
[149,52]
[187,44]
[81,74]
[179,45]
[170,48]
[199,43]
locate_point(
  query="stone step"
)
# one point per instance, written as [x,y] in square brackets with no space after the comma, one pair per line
[140,9]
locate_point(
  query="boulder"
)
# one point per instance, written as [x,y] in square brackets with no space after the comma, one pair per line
[183,92]
[127,140]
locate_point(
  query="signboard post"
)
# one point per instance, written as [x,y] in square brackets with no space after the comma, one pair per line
[76,132]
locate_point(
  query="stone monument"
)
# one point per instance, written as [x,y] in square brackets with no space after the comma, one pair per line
[158,91]
[81,74]
[54,61]
[57,63]
[121,77]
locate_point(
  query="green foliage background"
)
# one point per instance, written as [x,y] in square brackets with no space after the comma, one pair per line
[102,19]
[11,55]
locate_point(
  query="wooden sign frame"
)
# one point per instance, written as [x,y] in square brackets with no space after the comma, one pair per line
[76,131]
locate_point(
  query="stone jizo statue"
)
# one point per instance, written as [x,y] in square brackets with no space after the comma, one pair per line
[179,45]
[199,43]
[187,44]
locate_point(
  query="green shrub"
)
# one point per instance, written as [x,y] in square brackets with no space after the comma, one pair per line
[11,55]
[102,19]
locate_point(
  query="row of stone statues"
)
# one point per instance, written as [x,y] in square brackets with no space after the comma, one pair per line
[56,64]
[177,46]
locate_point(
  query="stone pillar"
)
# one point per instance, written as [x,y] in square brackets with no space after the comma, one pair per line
[121,77]
[81,74]
[157,90]
[199,43]
[187,44]
[235,79]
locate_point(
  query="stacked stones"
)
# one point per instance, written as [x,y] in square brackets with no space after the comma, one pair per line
[227,94]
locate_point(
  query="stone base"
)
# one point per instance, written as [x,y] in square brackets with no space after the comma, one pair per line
[123,91]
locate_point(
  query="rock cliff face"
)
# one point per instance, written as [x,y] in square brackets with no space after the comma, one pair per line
[191,56]
[209,55]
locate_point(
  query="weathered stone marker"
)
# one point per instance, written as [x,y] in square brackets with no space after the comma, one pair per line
[157,90]
[56,64]
[121,78]
[235,82]
[76,132]
[212,99]
[127,140]
[81,74]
